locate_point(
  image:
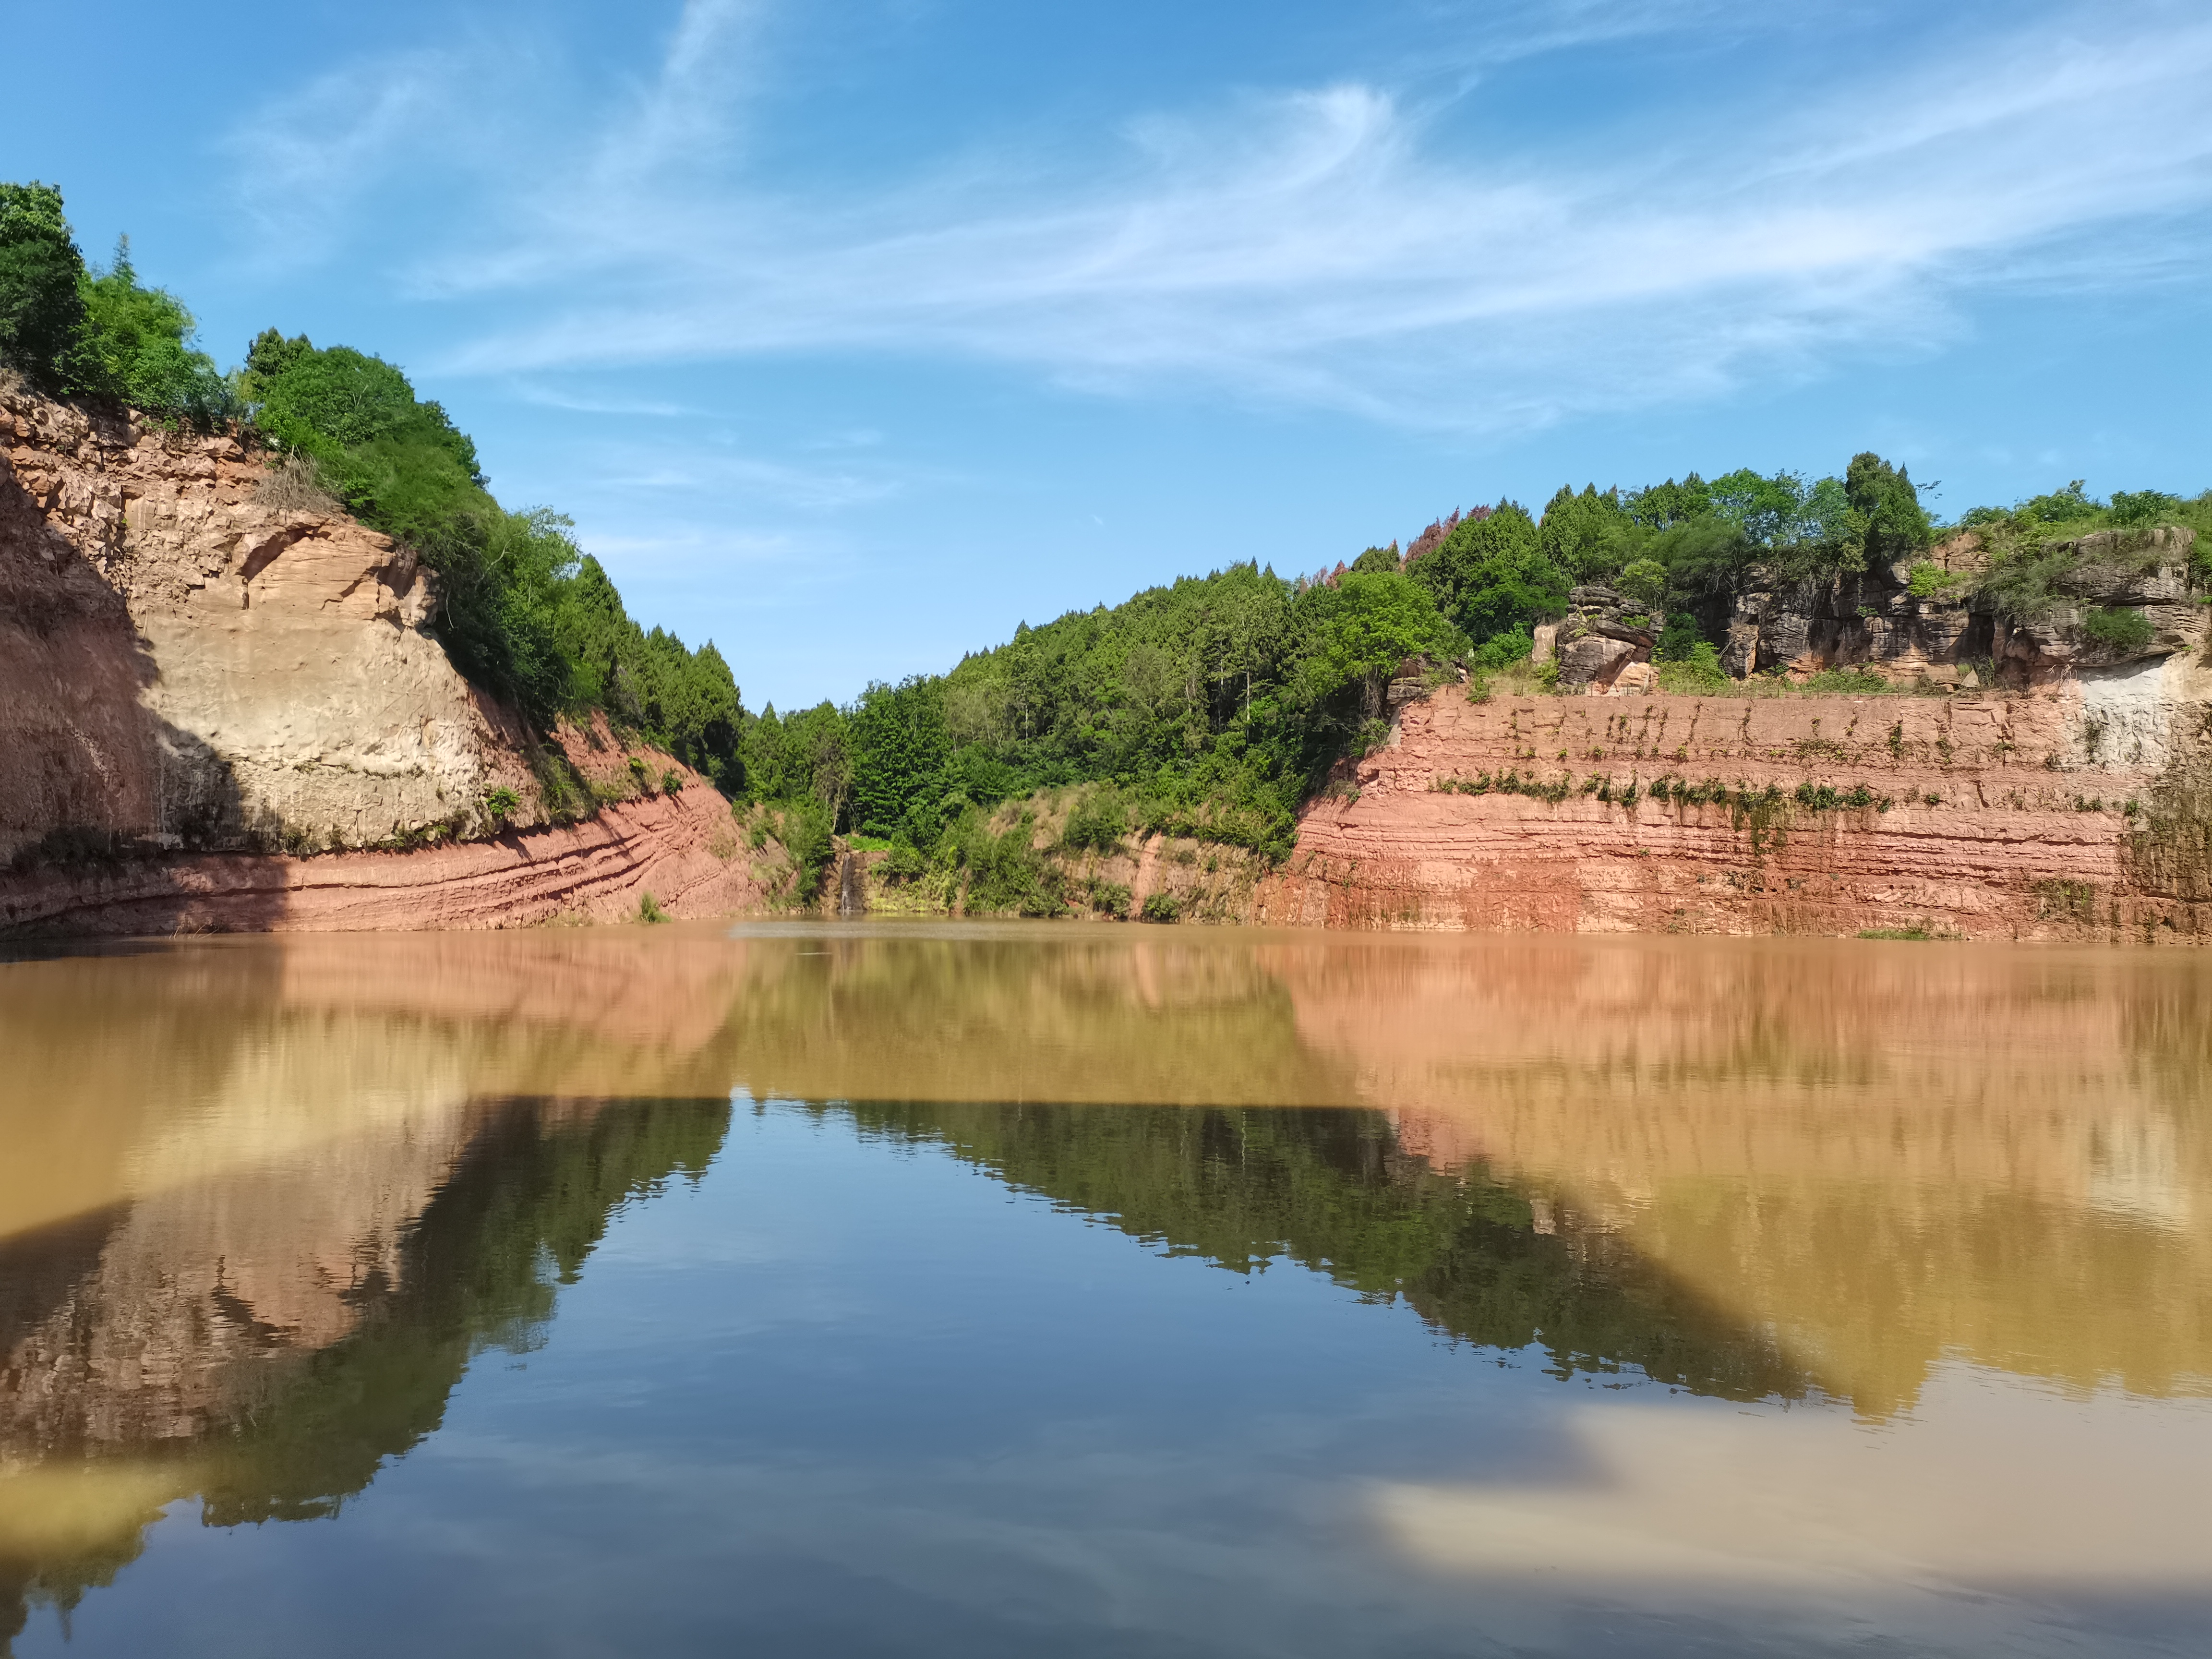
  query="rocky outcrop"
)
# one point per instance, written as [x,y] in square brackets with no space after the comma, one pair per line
[1603,636]
[2111,576]
[189,663]
[1930,618]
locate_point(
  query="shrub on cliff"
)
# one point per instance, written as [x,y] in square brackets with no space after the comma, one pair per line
[2120,629]
[397,461]
[2013,534]
[2145,506]
[1097,822]
[1004,872]
[1695,672]
[136,348]
[2029,579]
[805,828]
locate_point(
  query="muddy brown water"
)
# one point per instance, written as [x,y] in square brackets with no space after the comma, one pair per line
[938,1289]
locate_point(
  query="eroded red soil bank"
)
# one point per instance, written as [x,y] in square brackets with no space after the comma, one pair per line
[678,847]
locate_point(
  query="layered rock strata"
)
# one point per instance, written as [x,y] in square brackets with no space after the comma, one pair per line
[1997,815]
[680,848]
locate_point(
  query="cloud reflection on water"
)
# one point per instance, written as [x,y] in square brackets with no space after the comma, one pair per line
[256,1183]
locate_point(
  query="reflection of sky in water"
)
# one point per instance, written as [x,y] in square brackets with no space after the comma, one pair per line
[839,1399]
[1924,1244]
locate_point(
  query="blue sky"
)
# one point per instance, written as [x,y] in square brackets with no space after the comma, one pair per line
[853,334]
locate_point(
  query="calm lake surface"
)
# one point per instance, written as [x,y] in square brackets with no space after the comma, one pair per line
[974,1290]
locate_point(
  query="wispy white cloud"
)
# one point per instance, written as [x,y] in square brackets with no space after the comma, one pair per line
[765,482]
[1336,245]
[552,396]
[303,163]
[858,437]
[672,553]
[755,480]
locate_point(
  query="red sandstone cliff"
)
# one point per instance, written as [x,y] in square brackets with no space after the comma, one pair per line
[2023,816]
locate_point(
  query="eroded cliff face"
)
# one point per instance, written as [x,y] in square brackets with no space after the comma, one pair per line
[184,664]
[2063,812]
[201,686]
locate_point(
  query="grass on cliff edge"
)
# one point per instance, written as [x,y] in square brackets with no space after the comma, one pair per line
[1696,679]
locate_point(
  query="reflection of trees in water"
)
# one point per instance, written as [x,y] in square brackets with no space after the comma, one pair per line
[1884,1156]
[1331,1190]
[300,1431]
[1092,1017]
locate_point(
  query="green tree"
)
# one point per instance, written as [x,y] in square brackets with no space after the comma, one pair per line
[802,756]
[41,296]
[1360,630]
[1663,505]
[899,750]
[1588,535]
[1765,510]
[1825,517]
[1888,507]
[1492,576]
[1703,556]
[1643,581]
[137,346]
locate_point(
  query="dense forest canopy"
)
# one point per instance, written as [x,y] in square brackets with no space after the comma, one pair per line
[1215,701]
[1212,706]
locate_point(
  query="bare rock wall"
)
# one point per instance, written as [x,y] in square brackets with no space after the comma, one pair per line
[1994,815]
[185,665]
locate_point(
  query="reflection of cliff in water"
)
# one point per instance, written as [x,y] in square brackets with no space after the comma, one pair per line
[136,1373]
[1333,1191]
[1885,1156]
[239,1176]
